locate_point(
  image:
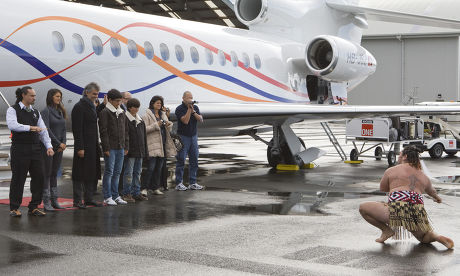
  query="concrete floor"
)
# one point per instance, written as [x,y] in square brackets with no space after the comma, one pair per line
[249,220]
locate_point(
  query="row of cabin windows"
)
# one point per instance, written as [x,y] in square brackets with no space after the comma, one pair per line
[115,47]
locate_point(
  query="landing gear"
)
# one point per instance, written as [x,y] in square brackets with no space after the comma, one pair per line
[286,147]
[282,154]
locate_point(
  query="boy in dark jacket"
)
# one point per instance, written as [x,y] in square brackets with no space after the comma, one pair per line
[115,145]
[137,151]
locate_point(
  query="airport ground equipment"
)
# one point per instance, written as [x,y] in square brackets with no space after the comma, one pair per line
[380,135]
[439,137]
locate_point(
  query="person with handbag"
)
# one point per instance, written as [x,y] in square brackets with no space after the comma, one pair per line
[159,143]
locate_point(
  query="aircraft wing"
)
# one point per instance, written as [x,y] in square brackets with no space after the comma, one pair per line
[427,13]
[273,111]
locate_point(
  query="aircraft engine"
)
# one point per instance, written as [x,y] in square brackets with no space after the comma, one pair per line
[338,60]
[251,12]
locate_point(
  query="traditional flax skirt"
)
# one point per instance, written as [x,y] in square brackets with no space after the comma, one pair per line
[407,214]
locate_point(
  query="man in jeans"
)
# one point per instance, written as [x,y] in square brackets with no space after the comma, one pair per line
[187,115]
[115,145]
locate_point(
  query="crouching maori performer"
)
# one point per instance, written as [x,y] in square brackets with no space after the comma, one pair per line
[404,213]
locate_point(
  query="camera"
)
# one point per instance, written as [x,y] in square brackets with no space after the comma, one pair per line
[193,102]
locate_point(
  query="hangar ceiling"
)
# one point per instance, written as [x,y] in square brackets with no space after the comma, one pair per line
[207,11]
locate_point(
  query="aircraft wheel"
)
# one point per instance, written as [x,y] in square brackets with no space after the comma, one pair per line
[282,156]
[378,153]
[436,151]
[273,157]
[354,155]
[391,156]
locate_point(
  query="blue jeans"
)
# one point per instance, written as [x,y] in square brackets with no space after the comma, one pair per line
[191,149]
[113,165]
[153,176]
[132,176]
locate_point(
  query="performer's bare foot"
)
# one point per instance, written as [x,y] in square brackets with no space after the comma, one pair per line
[385,236]
[446,242]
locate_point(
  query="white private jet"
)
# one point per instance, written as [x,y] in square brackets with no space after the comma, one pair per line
[270,74]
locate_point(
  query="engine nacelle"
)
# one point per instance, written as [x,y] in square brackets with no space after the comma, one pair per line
[338,60]
[251,12]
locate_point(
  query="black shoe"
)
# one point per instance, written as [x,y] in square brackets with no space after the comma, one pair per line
[79,205]
[36,212]
[55,204]
[93,203]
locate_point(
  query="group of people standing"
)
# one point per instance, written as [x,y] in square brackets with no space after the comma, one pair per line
[113,130]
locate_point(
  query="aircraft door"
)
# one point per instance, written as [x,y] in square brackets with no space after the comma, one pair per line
[318,89]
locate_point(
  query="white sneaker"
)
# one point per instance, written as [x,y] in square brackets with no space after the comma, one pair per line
[109,201]
[158,192]
[120,201]
[195,187]
[181,187]
[144,192]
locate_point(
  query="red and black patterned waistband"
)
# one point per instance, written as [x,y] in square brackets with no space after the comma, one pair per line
[407,196]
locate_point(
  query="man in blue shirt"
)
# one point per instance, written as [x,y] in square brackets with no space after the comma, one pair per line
[187,115]
[29,131]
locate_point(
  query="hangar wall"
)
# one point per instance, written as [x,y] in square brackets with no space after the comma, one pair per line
[412,66]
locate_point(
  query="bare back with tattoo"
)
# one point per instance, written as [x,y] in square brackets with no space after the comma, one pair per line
[405,178]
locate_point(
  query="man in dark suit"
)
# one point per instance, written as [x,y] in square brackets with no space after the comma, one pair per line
[86,169]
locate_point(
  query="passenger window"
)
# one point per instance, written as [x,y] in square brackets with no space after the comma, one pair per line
[209,57]
[164,51]
[246,60]
[194,55]
[132,48]
[257,61]
[221,57]
[78,43]
[97,45]
[58,41]
[115,47]
[149,53]
[234,58]
[179,53]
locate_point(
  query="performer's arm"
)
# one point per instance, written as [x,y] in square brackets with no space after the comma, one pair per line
[432,192]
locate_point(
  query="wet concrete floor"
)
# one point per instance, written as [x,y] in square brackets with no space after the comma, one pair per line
[249,220]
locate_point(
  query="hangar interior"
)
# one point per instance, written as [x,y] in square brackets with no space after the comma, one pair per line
[411,68]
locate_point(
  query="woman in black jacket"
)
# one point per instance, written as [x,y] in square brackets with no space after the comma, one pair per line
[54,115]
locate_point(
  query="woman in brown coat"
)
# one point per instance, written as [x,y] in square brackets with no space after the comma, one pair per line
[159,143]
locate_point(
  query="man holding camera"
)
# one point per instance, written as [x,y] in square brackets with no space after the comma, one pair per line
[188,114]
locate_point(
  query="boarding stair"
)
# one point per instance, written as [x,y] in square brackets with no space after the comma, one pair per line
[334,141]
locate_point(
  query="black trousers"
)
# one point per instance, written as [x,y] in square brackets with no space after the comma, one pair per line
[83,190]
[26,158]
[52,165]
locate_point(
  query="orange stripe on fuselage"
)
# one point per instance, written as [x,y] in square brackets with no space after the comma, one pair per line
[157,60]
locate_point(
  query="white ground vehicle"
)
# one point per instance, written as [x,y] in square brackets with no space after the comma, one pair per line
[440,137]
